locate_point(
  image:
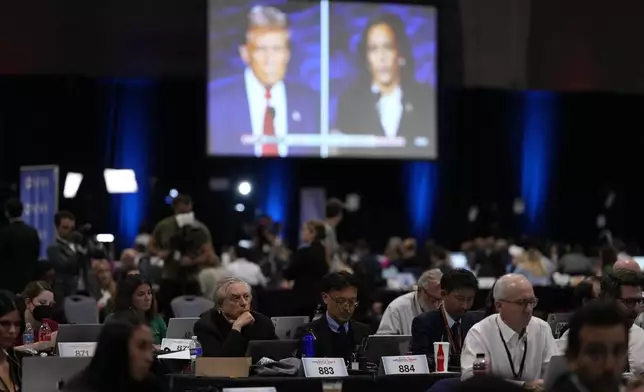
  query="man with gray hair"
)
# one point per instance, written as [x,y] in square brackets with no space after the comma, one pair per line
[517,346]
[261,103]
[401,312]
[226,329]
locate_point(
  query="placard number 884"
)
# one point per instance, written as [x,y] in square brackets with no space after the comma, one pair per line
[406,368]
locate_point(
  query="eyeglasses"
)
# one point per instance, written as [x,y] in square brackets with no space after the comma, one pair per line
[632,302]
[525,302]
[345,302]
[431,297]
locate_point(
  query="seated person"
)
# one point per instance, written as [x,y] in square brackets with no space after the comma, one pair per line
[337,336]
[225,330]
[400,313]
[123,360]
[134,295]
[39,301]
[517,345]
[10,369]
[451,322]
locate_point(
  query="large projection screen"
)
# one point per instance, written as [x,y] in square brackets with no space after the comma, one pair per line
[327,79]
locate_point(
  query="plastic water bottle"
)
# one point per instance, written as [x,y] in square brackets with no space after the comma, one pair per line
[308,345]
[480,364]
[195,352]
[28,336]
[44,334]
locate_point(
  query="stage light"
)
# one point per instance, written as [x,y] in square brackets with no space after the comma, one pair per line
[72,183]
[239,207]
[173,193]
[120,181]
[244,188]
[105,238]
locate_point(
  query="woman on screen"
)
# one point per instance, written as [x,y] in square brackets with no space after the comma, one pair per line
[387,100]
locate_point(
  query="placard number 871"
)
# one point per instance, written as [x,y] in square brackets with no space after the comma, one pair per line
[406,368]
[325,370]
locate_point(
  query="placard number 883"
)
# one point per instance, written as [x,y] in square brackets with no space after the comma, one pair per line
[325,370]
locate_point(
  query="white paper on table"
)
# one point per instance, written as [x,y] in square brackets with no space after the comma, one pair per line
[185,354]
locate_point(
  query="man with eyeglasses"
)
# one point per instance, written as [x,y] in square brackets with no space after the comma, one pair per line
[597,349]
[337,336]
[452,321]
[624,288]
[517,346]
[401,311]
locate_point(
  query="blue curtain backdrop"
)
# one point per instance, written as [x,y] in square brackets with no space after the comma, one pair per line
[539,120]
[128,146]
[421,180]
[275,185]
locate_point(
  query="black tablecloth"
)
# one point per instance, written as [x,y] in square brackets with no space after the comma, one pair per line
[407,383]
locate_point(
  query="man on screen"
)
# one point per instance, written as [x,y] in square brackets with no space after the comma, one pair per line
[387,100]
[261,103]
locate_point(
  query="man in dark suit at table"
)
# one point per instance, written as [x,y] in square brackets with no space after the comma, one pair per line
[451,322]
[336,335]
[386,100]
[19,249]
[261,102]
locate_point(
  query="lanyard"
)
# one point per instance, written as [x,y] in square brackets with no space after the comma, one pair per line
[507,352]
[456,349]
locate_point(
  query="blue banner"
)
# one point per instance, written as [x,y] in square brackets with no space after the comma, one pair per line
[39,196]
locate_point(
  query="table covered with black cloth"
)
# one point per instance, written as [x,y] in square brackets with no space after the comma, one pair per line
[407,383]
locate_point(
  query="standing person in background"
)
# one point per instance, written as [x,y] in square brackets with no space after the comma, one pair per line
[63,254]
[400,313]
[122,361]
[308,268]
[334,212]
[181,266]
[19,249]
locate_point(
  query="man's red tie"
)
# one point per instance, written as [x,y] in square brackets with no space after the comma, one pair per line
[269,150]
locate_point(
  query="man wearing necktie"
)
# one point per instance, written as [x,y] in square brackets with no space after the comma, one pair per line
[451,321]
[262,103]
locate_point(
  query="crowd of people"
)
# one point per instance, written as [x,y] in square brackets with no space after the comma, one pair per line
[335,285]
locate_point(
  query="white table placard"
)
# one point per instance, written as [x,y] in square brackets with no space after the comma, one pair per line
[256,389]
[405,364]
[78,349]
[324,367]
[175,344]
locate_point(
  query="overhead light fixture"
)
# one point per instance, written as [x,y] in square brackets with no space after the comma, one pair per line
[120,181]
[72,183]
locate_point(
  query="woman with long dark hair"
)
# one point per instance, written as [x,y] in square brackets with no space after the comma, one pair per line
[387,100]
[10,322]
[122,361]
[134,295]
[39,308]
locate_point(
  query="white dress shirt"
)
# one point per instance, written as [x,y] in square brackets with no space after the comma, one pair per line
[256,95]
[399,315]
[390,110]
[484,338]
[635,348]
[247,271]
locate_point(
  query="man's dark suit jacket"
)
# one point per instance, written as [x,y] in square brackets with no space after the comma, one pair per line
[66,264]
[358,115]
[323,345]
[218,339]
[19,253]
[429,327]
[229,117]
